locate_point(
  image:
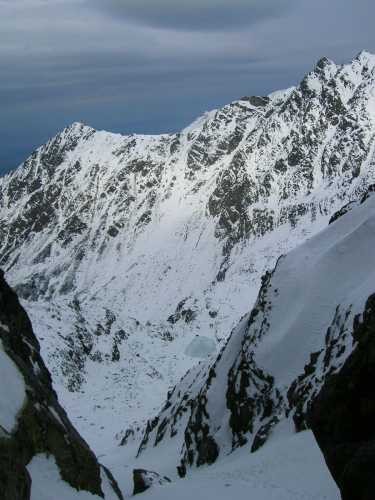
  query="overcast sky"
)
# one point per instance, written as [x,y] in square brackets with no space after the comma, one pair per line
[152,66]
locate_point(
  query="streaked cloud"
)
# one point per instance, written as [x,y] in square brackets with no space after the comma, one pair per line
[196,15]
[153,65]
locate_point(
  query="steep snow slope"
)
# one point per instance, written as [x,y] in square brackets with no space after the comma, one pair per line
[301,329]
[136,253]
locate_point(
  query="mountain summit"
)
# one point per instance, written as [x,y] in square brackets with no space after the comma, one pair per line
[136,255]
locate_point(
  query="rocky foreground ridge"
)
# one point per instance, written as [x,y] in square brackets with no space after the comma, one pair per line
[342,415]
[35,433]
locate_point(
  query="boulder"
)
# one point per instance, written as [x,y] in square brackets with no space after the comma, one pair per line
[145,479]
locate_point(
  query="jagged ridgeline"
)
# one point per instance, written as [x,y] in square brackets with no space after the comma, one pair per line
[128,249]
[311,312]
[41,454]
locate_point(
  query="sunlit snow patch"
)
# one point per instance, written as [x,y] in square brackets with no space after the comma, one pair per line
[12,392]
[47,483]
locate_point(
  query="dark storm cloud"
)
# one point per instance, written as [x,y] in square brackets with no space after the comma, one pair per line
[137,66]
[196,14]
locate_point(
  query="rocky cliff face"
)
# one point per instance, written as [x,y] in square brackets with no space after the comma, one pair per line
[342,416]
[308,317]
[126,249]
[33,425]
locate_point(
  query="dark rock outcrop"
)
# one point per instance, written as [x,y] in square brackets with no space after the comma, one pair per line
[145,479]
[42,426]
[342,416]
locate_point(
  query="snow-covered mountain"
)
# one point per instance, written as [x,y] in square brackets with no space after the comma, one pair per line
[136,255]
[311,312]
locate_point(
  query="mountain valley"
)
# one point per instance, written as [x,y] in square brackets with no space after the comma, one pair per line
[192,293]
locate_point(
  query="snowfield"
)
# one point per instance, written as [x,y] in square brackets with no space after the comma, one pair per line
[288,467]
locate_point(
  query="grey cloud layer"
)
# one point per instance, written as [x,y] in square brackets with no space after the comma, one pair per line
[151,66]
[195,14]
